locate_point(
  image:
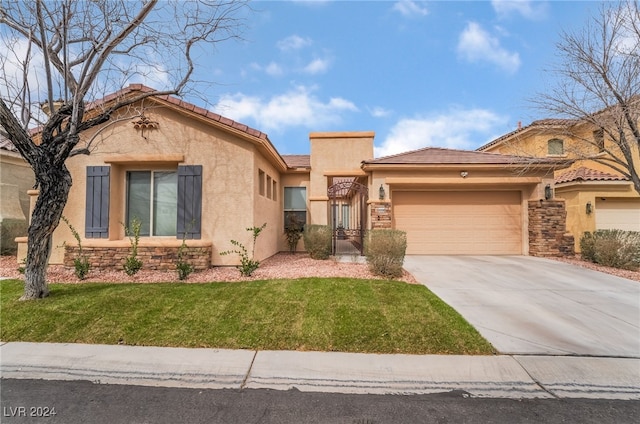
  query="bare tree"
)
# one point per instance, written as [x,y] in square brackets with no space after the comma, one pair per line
[63,55]
[598,88]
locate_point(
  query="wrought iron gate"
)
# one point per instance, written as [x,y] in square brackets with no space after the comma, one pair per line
[348,216]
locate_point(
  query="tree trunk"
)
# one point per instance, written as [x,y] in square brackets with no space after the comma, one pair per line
[54,191]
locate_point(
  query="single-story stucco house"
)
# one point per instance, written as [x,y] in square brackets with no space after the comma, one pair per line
[196,177]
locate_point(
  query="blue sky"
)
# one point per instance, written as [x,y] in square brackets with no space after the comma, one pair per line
[450,74]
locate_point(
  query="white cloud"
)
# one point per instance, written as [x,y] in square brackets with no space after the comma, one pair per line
[153,75]
[379,112]
[534,10]
[293,42]
[455,129]
[477,45]
[295,108]
[274,69]
[317,66]
[410,8]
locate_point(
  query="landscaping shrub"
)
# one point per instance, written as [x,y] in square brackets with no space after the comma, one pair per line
[614,248]
[132,264]
[317,241]
[588,247]
[385,250]
[247,264]
[81,262]
[293,231]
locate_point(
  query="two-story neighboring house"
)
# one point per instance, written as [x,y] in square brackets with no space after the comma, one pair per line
[596,196]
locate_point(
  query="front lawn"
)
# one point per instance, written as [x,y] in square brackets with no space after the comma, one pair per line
[320,314]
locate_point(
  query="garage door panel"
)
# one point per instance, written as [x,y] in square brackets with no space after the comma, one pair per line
[460,222]
[618,214]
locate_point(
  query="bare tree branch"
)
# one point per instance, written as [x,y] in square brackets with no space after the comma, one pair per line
[599,85]
[72,54]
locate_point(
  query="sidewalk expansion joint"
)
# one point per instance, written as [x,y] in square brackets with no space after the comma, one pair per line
[243,385]
[535,380]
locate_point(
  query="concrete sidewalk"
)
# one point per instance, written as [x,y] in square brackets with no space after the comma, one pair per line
[504,376]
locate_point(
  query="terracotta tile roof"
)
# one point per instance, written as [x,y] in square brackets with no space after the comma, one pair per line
[297,161]
[438,155]
[539,124]
[587,174]
[133,88]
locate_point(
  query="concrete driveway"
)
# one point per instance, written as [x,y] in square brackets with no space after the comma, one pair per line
[528,305]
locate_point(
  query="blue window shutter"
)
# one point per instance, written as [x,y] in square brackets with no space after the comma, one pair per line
[97,202]
[189,202]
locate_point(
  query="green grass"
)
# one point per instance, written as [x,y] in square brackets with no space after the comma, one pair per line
[319,314]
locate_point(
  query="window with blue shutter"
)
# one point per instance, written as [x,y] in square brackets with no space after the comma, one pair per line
[97,202]
[189,202]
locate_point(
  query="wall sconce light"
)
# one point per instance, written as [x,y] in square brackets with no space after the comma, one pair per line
[464,174]
[589,208]
[548,192]
[381,192]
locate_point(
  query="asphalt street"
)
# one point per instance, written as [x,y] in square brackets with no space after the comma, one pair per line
[81,402]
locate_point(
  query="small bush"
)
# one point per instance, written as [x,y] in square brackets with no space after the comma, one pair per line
[132,264]
[81,262]
[317,241]
[9,230]
[293,231]
[385,250]
[588,247]
[183,267]
[614,248]
[247,264]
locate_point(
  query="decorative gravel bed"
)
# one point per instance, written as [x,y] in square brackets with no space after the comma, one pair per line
[281,265]
[631,275]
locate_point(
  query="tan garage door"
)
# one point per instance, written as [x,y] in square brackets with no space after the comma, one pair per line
[462,223]
[618,214]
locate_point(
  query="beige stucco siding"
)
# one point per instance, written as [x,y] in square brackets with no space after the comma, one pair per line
[268,206]
[229,181]
[334,154]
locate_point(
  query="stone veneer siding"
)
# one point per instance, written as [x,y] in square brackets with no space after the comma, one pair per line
[153,258]
[547,229]
[380,215]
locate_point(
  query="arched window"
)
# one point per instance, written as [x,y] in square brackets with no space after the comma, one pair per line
[555,147]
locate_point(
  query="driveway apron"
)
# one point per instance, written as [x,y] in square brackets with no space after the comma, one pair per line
[527,305]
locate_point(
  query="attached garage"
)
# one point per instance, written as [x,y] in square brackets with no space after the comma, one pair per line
[618,214]
[460,222]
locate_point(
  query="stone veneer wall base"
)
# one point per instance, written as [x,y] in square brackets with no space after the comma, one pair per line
[548,235]
[153,258]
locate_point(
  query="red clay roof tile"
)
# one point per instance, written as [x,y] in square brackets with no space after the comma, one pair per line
[587,174]
[297,161]
[439,155]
